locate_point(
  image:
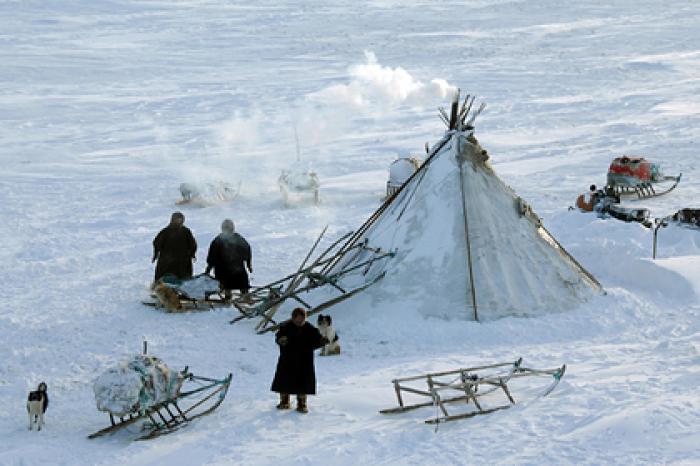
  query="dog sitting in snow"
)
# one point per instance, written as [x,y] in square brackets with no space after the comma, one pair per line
[37,402]
[325,327]
[168,297]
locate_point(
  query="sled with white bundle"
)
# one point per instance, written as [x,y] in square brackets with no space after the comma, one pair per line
[637,178]
[145,394]
[199,293]
[205,194]
[298,185]
[482,389]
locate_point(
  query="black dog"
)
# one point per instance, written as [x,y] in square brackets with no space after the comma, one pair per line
[325,327]
[37,402]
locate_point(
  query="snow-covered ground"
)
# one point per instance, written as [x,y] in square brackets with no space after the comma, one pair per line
[106,107]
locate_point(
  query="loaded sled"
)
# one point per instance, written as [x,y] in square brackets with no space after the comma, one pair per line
[199,293]
[144,394]
[637,178]
[627,214]
[475,387]
[296,184]
[688,218]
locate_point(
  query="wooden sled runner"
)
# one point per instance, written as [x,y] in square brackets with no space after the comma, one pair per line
[467,385]
[645,190]
[204,396]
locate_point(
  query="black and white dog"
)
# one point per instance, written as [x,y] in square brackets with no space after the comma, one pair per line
[37,402]
[325,326]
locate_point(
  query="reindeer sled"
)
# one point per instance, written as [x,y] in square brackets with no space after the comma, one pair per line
[199,293]
[475,387]
[298,185]
[204,194]
[637,178]
[145,394]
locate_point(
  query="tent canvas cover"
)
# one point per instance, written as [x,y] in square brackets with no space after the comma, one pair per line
[461,234]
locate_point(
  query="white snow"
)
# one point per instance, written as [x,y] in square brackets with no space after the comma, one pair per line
[106,107]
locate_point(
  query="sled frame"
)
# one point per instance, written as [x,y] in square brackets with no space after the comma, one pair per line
[470,387]
[644,190]
[168,416]
[264,301]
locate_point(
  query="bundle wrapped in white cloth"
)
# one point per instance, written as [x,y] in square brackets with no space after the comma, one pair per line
[208,193]
[299,179]
[136,385]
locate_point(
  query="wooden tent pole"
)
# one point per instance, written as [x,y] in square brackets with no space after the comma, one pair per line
[466,231]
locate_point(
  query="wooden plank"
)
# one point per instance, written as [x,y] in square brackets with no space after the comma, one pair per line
[455,417]
[113,428]
[456,371]
[402,409]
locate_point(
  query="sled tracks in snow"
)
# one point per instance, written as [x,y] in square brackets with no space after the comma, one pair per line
[467,385]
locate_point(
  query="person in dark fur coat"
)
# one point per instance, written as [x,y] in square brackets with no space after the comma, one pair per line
[295,374]
[229,256]
[174,248]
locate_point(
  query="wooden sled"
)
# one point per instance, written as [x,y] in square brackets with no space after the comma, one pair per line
[264,301]
[203,398]
[190,305]
[644,190]
[466,385]
[175,300]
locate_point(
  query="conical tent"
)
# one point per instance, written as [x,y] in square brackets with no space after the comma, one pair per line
[465,243]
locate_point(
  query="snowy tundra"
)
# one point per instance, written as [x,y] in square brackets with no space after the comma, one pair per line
[107,107]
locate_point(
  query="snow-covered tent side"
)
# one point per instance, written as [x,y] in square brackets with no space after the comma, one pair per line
[466,240]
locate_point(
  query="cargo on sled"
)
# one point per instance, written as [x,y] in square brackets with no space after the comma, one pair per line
[199,293]
[145,394]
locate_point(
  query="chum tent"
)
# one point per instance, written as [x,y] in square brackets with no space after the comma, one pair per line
[464,239]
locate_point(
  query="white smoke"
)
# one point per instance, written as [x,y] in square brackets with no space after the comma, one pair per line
[256,145]
[374,85]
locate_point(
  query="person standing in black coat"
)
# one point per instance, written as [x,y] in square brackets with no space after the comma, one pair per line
[174,248]
[295,374]
[229,256]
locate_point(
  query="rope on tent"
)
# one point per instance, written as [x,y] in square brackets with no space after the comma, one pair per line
[466,231]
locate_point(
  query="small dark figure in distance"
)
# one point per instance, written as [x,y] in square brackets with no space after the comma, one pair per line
[37,402]
[325,328]
[229,256]
[295,374]
[174,248]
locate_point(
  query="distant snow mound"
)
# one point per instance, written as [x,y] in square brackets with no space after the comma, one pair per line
[135,385]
